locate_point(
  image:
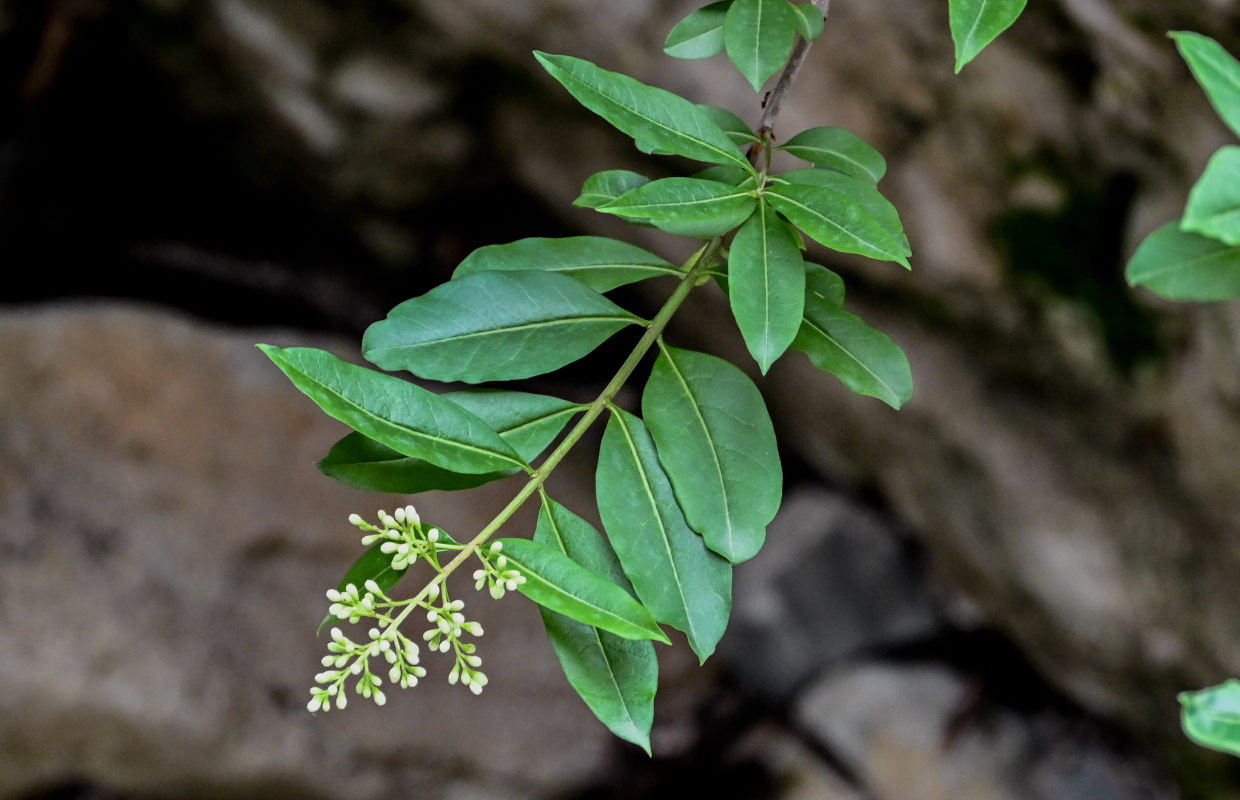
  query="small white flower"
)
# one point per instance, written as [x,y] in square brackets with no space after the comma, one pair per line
[355,519]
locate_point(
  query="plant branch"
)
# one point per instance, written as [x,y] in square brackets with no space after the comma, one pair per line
[786,78]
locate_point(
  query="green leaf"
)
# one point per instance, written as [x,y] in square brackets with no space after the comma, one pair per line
[399,414]
[699,35]
[716,443]
[824,284]
[682,582]
[616,677]
[976,23]
[600,263]
[1211,717]
[686,206]
[858,190]
[1214,204]
[730,124]
[767,278]
[810,21]
[648,114]
[1216,70]
[602,187]
[527,422]
[1185,266]
[838,149]
[374,565]
[759,35]
[865,359]
[834,218]
[494,326]
[555,581]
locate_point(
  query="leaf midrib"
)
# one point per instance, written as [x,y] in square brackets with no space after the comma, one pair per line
[627,319]
[815,327]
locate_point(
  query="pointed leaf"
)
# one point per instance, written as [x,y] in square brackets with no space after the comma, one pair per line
[832,217]
[716,443]
[865,359]
[824,284]
[759,35]
[600,263]
[555,581]
[730,124]
[686,206]
[527,422]
[858,190]
[1211,717]
[682,582]
[492,326]
[1186,266]
[810,21]
[699,35]
[616,677]
[649,114]
[374,565]
[976,23]
[1216,70]
[838,149]
[602,187]
[766,275]
[1214,204]
[399,414]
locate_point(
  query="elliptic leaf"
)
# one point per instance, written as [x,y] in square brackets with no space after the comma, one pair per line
[865,359]
[1216,70]
[616,677]
[861,192]
[1186,266]
[399,414]
[374,565]
[682,582]
[1211,717]
[492,326]
[365,464]
[976,23]
[834,218]
[716,443]
[824,284]
[686,206]
[1214,204]
[731,124]
[602,187]
[648,114]
[699,35]
[838,149]
[759,35]
[600,263]
[555,581]
[766,276]
[810,21]
[527,422]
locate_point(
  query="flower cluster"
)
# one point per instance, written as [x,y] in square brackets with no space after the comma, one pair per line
[402,536]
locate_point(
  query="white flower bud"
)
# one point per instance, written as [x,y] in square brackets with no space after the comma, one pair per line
[476,688]
[355,519]
[458,617]
[479,574]
[313,705]
[357,667]
[457,605]
[465,677]
[433,536]
[454,675]
[342,700]
[474,661]
[496,547]
[431,616]
[511,584]
[327,660]
[338,636]
[394,674]
[412,516]
[444,645]
[373,587]
[325,677]
[370,539]
[387,548]
[400,515]
[380,698]
[501,562]
[333,595]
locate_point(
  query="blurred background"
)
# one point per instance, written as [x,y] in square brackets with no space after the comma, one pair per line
[994,593]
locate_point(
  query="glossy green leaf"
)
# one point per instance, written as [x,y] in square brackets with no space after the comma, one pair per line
[372,566]
[716,443]
[858,190]
[835,219]
[759,35]
[603,187]
[616,677]
[527,422]
[1211,717]
[1186,266]
[686,206]
[810,21]
[1216,70]
[976,23]
[766,275]
[399,414]
[647,113]
[730,124]
[865,359]
[493,326]
[555,581]
[699,35]
[824,284]
[732,176]
[682,582]
[1214,204]
[600,263]
[838,149]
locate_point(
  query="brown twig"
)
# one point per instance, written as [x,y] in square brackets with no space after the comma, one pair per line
[795,61]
